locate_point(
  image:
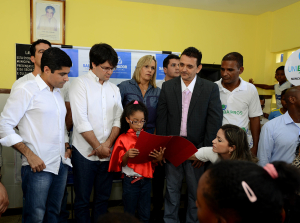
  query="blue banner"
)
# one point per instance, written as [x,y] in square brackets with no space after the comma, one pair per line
[123,70]
[73,54]
[160,75]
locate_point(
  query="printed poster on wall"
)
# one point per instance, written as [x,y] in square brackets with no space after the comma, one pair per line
[160,75]
[123,70]
[73,54]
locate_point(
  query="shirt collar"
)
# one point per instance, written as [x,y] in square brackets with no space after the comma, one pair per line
[42,84]
[287,118]
[132,81]
[191,85]
[241,87]
[93,76]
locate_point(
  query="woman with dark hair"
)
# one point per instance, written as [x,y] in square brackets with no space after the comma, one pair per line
[230,143]
[142,87]
[240,191]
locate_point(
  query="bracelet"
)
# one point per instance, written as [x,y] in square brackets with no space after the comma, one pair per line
[98,147]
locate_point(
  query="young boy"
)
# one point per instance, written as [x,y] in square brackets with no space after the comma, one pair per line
[279,111]
[282,85]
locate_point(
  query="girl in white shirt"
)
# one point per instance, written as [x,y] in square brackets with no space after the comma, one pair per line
[230,143]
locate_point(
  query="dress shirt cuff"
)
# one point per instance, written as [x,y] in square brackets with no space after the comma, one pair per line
[117,123]
[11,140]
[84,127]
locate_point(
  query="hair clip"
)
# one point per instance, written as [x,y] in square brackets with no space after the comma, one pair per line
[250,194]
[269,167]
[135,102]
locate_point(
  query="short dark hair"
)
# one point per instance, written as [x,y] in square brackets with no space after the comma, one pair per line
[283,92]
[129,109]
[117,218]
[50,7]
[193,52]
[55,59]
[32,47]
[261,97]
[168,58]
[234,56]
[225,194]
[102,52]
[280,68]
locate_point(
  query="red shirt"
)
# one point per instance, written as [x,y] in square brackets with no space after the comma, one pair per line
[125,142]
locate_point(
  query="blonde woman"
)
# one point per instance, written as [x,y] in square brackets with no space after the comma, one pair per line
[142,87]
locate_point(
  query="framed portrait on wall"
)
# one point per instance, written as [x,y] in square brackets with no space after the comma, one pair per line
[47,20]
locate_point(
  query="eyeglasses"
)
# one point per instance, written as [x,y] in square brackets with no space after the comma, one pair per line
[143,122]
[107,69]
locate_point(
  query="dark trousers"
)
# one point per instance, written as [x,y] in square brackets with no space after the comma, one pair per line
[89,174]
[158,184]
[137,196]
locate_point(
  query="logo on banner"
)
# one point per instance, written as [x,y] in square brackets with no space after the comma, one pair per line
[160,75]
[120,65]
[123,70]
[292,68]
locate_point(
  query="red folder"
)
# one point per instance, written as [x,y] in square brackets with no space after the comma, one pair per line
[177,151]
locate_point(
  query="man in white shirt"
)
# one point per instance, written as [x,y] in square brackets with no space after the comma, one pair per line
[240,100]
[36,52]
[171,68]
[39,111]
[96,110]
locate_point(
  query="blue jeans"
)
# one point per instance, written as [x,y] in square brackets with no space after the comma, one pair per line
[43,193]
[89,174]
[137,196]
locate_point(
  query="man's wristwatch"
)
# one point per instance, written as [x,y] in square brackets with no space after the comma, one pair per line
[0,177]
[69,148]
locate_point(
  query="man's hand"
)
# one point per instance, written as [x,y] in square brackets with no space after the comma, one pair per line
[198,164]
[254,150]
[102,152]
[3,199]
[68,152]
[251,81]
[35,162]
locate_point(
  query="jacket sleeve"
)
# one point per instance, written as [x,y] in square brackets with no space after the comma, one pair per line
[162,112]
[214,117]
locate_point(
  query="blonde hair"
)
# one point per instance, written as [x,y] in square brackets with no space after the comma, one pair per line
[145,60]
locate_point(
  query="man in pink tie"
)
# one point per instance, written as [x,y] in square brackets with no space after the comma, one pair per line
[188,106]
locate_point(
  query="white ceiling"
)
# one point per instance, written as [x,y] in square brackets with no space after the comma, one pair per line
[252,7]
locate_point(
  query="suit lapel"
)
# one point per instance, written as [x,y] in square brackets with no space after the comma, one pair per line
[177,90]
[196,94]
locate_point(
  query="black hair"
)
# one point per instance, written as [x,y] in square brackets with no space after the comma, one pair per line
[32,47]
[50,7]
[168,58]
[234,56]
[283,92]
[193,52]
[261,97]
[102,52]
[129,109]
[55,59]
[280,68]
[117,218]
[224,193]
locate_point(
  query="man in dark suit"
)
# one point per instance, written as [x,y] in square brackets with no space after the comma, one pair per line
[188,106]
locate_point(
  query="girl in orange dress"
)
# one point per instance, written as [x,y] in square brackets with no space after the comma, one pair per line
[137,177]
